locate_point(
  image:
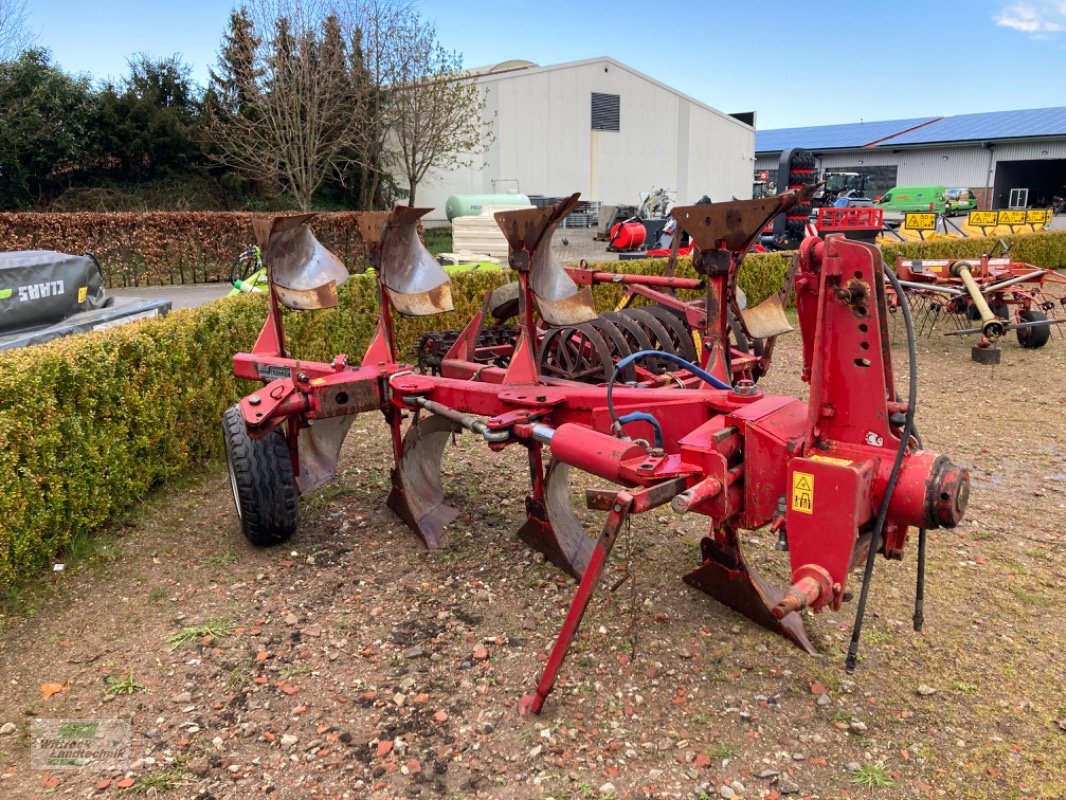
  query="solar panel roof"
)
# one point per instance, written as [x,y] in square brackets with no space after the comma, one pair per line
[990,125]
[852,134]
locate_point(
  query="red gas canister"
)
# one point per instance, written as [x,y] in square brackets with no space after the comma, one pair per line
[627,235]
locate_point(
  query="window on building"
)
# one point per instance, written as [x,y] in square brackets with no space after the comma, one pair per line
[605,112]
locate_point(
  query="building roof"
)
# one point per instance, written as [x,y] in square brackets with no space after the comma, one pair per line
[990,125]
[826,137]
[519,68]
[1027,123]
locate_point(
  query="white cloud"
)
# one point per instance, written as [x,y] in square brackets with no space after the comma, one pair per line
[1038,19]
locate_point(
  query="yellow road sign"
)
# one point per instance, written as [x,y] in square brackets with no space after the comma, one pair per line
[919,221]
[984,218]
[1034,215]
[1012,217]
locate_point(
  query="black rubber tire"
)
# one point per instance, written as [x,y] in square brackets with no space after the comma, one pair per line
[263,483]
[503,301]
[1036,336]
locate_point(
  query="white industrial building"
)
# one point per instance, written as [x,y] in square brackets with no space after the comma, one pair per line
[602,129]
[997,155]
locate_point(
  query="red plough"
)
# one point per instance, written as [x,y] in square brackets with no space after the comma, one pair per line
[839,478]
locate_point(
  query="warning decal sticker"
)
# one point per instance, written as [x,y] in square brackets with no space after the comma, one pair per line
[803,492]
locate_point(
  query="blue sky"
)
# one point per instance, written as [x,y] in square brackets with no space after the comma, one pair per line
[795,63]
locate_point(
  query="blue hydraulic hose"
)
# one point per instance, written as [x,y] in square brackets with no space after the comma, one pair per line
[642,416]
[703,375]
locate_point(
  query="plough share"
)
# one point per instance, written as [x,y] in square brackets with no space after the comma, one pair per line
[838,478]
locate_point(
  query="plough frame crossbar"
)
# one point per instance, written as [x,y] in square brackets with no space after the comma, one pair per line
[818,472]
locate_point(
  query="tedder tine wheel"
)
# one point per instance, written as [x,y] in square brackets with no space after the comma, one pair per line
[1034,336]
[263,483]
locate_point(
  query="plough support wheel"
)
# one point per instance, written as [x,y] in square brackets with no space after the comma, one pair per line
[725,576]
[263,484]
[417,496]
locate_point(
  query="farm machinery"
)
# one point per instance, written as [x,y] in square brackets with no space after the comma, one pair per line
[839,478]
[987,297]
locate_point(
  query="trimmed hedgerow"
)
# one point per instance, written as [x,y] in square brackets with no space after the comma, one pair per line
[89,424]
[165,247]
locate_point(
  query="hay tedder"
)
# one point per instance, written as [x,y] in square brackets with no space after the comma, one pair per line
[987,297]
[672,419]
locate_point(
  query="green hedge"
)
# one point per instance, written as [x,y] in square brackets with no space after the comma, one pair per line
[89,424]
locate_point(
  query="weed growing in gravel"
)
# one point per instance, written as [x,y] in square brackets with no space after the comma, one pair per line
[725,751]
[162,781]
[240,676]
[873,776]
[215,627]
[877,637]
[125,685]
[224,560]
[157,594]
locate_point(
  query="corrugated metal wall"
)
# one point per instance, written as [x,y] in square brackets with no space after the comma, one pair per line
[542,120]
[965,165]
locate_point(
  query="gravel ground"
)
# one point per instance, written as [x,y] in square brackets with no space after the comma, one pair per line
[352,663]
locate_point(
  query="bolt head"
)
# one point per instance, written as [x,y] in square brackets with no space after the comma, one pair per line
[255,400]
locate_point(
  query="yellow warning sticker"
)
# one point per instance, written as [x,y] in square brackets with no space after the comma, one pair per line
[803,492]
[83,292]
[842,462]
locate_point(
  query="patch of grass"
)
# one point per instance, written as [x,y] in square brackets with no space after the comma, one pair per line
[162,781]
[1030,598]
[877,637]
[224,560]
[216,627]
[288,672]
[157,595]
[125,685]
[240,676]
[965,688]
[725,751]
[873,776]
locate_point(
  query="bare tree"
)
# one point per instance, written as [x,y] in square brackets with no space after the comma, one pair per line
[287,110]
[344,90]
[14,35]
[437,119]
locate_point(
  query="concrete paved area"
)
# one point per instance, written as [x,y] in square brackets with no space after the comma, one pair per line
[188,296]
